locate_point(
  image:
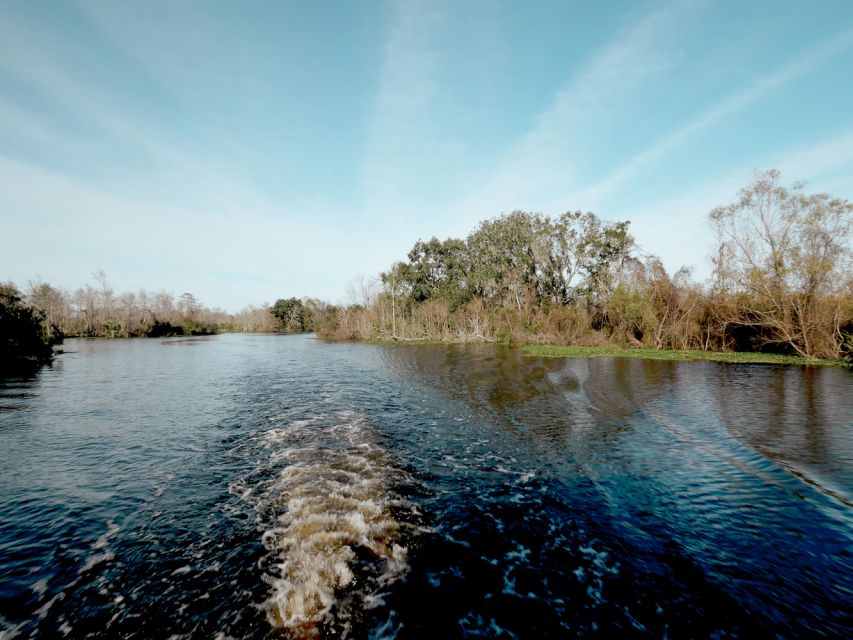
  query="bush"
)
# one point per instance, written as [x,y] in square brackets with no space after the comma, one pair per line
[26,337]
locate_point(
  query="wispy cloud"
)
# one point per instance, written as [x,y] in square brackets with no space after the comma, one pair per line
[398,128]
[224,259]
[760,89]
[64,75]
[676,226]
[547,159]
[821,165]
[129,135]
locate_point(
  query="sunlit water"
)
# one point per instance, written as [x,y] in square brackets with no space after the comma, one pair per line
[270,486]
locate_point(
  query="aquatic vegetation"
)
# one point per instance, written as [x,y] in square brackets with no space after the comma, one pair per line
[556,351]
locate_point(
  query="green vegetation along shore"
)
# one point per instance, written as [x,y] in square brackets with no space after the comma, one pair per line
[678,355]
[556,351]
[781,284]
[27,338]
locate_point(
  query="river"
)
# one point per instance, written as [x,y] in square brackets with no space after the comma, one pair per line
[255,486]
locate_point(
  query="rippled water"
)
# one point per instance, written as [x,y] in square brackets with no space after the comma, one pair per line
[277,486]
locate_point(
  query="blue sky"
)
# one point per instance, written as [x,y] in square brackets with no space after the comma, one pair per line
[245,151]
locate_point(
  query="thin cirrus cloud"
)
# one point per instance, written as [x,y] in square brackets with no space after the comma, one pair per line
[548,158]
[65,74]
[682,217]
[637,166]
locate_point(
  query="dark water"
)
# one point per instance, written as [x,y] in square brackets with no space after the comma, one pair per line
[264,486]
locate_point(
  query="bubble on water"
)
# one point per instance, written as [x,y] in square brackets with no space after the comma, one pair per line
[598,570]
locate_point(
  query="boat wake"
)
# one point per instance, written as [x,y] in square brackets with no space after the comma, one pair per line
[332,524]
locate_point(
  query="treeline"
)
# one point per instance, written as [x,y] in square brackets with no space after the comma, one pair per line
[782,282]
[33,322]
[99,312]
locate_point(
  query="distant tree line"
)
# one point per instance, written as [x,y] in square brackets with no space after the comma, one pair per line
[293,315]
[782,282]
[99,312]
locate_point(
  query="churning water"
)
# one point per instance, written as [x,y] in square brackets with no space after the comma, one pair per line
[245,486]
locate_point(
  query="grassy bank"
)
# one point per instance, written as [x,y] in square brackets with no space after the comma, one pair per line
[556,351]
[551,351]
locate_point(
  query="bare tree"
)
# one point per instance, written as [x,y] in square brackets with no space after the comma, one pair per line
[781,256]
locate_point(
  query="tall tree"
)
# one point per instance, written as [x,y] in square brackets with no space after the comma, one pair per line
[782,261]
[503,253]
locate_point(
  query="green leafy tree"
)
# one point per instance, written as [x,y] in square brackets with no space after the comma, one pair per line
[292,316]
[436,270]
[528,258]
[600,251]
[507,255]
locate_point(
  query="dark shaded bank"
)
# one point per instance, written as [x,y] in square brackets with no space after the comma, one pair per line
[168,330]
[27,339]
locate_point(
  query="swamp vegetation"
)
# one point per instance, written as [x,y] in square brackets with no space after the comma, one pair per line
[782,285]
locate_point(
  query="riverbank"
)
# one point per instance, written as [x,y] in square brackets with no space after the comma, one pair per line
[740,357]
[560,351]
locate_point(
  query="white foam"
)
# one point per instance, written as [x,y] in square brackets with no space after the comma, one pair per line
[334,531]
[40,586]
[94,560]
[7,631]
[599,569]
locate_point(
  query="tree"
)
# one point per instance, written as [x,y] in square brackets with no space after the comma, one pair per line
[650,306]
[52,303]
[506,256]
[524,257]
[590,251]
[188,305]
[292,316]
[782,262]
[25,334]
[435,269]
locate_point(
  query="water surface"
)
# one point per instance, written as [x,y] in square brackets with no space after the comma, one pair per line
[278,486]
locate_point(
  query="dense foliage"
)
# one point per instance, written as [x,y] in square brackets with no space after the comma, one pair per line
[782,283]
[295,316]
[26,336]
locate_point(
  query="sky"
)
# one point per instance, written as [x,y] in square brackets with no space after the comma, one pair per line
[249,151]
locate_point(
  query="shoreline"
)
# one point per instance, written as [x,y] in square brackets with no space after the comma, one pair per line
[732,357]
[561,351]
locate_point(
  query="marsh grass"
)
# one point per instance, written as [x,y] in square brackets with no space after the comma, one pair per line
[553,351]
